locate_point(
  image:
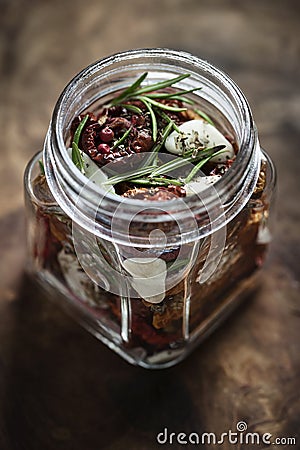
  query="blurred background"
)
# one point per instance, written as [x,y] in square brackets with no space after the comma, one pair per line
[44,388]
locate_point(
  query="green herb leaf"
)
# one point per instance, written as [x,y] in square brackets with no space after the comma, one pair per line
[180,95]
[132,108]
[161,85]
[157,181]
[200,164]
[79,129]
[152,159]
[172,94]
[129,175]
[159,105]
[77,157]
[170,165]
[196,169]
[153,120]
[149,162]
[169,120]
[195,153]
[127,92]
[183,161]
[122,139]
[153,171]
[76,153]
[42,168]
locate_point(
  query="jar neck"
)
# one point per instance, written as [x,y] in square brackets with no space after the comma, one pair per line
[100,80]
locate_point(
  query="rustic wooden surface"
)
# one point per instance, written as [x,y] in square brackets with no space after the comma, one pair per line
[59,387]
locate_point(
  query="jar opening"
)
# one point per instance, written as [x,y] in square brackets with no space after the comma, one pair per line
[102,79]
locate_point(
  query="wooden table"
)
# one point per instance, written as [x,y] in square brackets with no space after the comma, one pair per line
[59,387]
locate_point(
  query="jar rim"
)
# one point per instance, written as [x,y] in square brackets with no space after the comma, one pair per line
[233,189]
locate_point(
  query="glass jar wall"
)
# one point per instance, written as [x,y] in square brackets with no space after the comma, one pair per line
[83,239]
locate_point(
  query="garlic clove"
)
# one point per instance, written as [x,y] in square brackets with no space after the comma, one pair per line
[198,132]
[200,184]
[148,277]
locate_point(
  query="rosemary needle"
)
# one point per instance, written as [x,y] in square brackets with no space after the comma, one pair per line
[132,108]
[76,153]
[79,130]
[157,181]
[159,105]
[77,157]
[42,168]
[128,175]
[198,166]
[162,84]
[122,138]
[153,118]
[126,93]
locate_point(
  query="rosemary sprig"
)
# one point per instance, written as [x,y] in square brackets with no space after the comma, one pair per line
[168,95]
[77,157]
[164,136]
[149,163]
[129,175]
[147,96]
[157,181]
[122,139]
[161,85]
[158,104]
[169,120]
[197,167]
[76,152]
[127,92]
[188,159]
[152,159]
[132,108]
[152,171]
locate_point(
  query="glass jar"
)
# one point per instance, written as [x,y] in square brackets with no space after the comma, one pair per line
[204,250]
